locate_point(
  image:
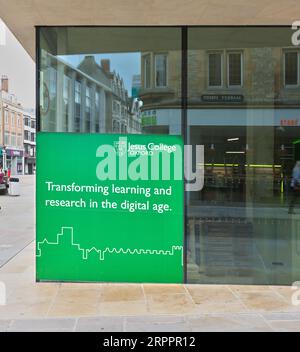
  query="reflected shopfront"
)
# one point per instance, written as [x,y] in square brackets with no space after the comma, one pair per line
[236,91]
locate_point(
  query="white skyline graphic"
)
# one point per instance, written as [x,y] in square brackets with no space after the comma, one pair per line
[69,231]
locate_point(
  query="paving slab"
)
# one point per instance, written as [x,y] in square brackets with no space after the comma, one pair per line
[39,325]
[17,219]
[101,324]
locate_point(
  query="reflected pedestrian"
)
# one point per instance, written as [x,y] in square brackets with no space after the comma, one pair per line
[1,175]
[295,186]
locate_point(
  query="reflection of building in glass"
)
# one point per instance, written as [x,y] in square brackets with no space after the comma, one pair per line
[236,98]
[119,104]
[161,92]
[11,130]
[89,98]
[243,106]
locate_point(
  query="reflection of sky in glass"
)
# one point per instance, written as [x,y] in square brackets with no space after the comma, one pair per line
[125,64]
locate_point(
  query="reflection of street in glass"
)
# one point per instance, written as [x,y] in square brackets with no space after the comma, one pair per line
[295,187]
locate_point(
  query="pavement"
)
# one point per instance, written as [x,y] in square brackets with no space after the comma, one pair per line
[32,306]
[17,220]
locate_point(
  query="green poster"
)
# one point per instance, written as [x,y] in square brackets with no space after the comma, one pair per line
[109,208]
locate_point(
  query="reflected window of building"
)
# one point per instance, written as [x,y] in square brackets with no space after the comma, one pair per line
[6,138]
[66,98]
[13,139]
[116,63]
[97,112]
[48,95]
[52,82]
[147,71]
[87,109]
[116,126]
[215,69]
[216,73]
[12,116]
[77,105]
[239,226]
[161,70]
[234,62]
[291,68]
[6,116]
[20,142]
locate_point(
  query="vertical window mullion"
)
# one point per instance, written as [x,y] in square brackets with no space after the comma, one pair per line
[298,73]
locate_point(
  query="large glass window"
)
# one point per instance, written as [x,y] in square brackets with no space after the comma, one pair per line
[243,97]
[242,223]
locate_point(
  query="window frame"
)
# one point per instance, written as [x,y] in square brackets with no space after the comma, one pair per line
[228,52]
[6,116]
[147,57]
[225,68]
[77,92]
[167,66]
[284,52]
[13,139]
[210,52]
[19,121]
[12,119]
[7,138]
